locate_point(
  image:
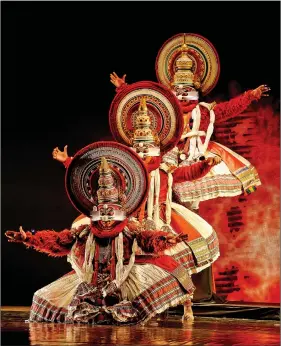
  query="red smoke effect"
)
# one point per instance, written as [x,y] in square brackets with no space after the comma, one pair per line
[248,226]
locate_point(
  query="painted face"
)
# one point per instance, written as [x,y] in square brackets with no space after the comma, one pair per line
[181,90]
[146,150]
[186,93]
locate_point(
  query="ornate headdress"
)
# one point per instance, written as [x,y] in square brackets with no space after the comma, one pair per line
[183,74]
[189,62]
[110,199]
[144,141]
[106,188]
[146,115]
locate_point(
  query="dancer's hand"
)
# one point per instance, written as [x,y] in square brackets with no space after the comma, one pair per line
[117,81]
[212,161]
[262,90]
[60,156]
[173,238]
[81,232]
[16,237]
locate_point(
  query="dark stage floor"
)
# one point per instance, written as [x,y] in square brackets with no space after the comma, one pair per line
[207,331]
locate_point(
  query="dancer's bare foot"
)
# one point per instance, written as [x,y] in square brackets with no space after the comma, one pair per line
[187,313]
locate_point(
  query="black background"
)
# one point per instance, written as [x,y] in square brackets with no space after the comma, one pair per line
[56,61]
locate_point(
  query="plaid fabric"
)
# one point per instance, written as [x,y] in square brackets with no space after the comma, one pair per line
[201,254]
[184,279]
[171,157]
[154,300]
[200,250]
[42,311]
[208,187]
[85,291]
[88,306]
[159,297]
[124,312]
[248,176]
[186,259]
[213,244]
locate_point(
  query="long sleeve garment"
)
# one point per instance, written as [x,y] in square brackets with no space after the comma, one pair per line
[59,244]
[55,244]
[223,110]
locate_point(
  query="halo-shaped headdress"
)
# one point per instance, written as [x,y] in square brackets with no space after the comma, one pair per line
[162,107]
[203,60]
[130,176]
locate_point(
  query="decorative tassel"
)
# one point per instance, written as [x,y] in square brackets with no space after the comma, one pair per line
[150,198]
[186,146]
[86,271]
[196,147]
[195,115]
[210,127]
[156,216]
[119,248]
[96,269]
[88,259]
[113,261]
[169,199]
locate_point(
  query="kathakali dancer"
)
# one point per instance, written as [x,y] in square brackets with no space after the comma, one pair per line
[122,273]
[136,127]
[188,64]
[169,126]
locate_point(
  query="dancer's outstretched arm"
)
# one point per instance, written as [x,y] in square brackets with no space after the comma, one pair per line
[235,106]
[55,244]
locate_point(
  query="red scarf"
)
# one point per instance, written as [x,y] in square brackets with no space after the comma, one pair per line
[109,233]
[189,107]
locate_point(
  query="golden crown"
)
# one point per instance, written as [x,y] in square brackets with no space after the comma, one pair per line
[184,74]
[143,132]
[144,140]
[109,197]
[107,192]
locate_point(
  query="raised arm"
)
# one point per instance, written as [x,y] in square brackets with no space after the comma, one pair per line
[62,156]
[237,105]
[55,244]
[118,82]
